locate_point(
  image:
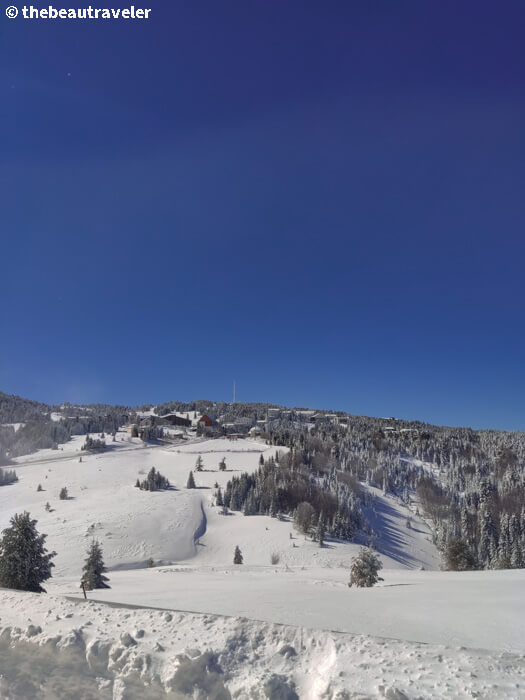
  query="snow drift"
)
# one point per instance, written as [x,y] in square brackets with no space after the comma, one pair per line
[91,650]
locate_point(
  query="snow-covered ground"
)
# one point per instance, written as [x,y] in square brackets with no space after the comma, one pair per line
[15,426]
[474,609]
[429,467]
[132,525]
[56,648]
[408,635]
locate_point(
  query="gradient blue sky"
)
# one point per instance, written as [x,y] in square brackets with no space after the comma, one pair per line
[322,200]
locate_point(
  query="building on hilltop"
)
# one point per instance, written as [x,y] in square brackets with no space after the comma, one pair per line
[175,419]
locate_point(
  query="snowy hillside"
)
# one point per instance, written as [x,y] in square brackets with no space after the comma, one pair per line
[299,615]
[134,526]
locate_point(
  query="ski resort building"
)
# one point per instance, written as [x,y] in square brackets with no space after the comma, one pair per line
[175,419]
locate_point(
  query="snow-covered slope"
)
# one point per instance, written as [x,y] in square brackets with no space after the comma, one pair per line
[134,526]
[302,602]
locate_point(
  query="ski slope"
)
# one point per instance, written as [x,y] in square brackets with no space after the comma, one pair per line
[134,526]
[346,642]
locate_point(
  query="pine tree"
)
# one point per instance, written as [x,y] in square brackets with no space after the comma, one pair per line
[487,538]
[237,556]
[250,507]
[199,464]
[219,499]
[7,476]
[154,481]
[191,482]
[222,464]
[94,569]
[24,561]
[365,568]
[321,530]
[261,461]
[457,556]
[63,494]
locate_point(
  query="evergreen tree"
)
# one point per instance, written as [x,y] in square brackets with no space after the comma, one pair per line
[321,530]
[457,556]
[93,444]
[222,464]
[237,556]
[250,507]
[24,561]
[191,482]
[63,494]
[199,464]
[503,561]
[487,547]
[94,569]
[365,568]
[7,476]
[154,481]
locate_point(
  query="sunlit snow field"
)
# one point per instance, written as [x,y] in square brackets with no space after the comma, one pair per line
[306,593]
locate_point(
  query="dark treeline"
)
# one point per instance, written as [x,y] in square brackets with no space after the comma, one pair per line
[7,476]
[290,481]
[470,484]
[39,431]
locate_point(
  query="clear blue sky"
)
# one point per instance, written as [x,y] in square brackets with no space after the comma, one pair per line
[322,200]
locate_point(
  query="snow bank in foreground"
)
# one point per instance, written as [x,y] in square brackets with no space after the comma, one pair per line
[53,647]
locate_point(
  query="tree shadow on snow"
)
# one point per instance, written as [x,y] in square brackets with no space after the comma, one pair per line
[390,541]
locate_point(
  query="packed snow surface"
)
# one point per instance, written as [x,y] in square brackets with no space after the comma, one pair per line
[53,647]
